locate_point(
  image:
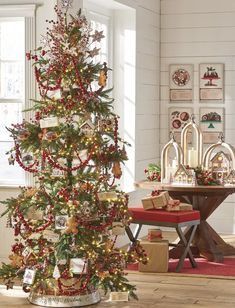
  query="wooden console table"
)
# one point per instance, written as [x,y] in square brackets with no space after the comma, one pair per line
[205,199]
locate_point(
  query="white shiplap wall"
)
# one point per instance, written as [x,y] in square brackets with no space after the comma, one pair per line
[200,32]
[147,85]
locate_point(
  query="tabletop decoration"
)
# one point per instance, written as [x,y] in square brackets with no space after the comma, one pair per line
[190,167]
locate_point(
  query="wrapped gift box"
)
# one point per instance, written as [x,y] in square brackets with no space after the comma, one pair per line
[158,254]
[154,235]
[173,205]
[156,202]
[186,207]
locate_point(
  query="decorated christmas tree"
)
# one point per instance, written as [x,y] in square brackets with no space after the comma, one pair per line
[66,224]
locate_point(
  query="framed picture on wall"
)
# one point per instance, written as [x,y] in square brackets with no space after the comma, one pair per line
[211,81]
[211,123]
[181,82]
[178,118]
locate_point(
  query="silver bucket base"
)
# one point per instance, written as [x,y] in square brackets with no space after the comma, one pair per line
[64,301]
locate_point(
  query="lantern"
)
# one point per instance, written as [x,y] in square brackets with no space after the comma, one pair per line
[192,158]
[231,157]
[165,176]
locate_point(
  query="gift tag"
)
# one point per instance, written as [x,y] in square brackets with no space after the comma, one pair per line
[118,228]
[107,195]
[78,266]
[51,236]
[29,276]
[119,296]
[60,222]
[49,122]
[58,173]
[56,272]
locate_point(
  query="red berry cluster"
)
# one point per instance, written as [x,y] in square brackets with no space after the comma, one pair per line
[205,177]
[153,175]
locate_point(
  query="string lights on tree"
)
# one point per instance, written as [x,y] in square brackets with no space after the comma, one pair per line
[65,247]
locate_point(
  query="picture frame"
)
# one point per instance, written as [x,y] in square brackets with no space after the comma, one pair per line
[211,81]
[211,123]
[178,118]
[181,82]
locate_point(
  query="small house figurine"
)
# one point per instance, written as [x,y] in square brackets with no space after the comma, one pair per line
[220,166]
[230,179]
[87,128]
[184,176]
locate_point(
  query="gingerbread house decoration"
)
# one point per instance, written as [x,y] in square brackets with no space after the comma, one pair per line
[220,166]
[184,176]
[87,128]
[226,163]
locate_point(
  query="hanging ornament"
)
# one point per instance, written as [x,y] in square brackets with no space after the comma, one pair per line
[106,124]
[118,228]
[9,284]
[72,225]
[27,159]
[87,128]
[16,260]
[29,276]
[103,76]
[61,221]
[51,236]
[97,36]
[107,195]
[23,134]
[56,272]
[78,266]
[49,122]
[11,160]
[50,136]
[26,288]
[116,170]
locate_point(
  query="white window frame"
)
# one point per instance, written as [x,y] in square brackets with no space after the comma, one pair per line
[27,11]
[105,16]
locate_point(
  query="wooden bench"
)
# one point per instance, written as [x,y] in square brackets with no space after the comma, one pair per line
[177,220]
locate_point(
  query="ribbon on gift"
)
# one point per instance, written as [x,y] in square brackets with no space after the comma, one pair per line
[173,203]
[155,193]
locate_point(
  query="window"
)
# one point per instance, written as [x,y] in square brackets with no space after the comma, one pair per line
[17,83]
[118,49]
[12,96]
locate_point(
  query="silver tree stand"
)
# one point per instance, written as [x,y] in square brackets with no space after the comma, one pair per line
[64,301]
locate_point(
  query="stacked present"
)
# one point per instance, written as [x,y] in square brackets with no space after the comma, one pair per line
[162,200]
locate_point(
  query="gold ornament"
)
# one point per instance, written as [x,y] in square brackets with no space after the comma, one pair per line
[72,226]
[102,79]
[30,192]
[116,170]
[16,260]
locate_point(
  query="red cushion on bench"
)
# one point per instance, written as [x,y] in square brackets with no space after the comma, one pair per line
[139,214]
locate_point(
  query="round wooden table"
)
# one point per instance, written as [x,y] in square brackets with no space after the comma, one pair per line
[205,199]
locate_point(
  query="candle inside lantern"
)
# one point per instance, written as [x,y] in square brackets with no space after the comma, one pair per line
[192,158]
[174,163]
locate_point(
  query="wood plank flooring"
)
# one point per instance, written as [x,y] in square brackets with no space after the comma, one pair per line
[157,290]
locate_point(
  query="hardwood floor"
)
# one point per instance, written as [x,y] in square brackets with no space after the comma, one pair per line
[157,290]
[160,291]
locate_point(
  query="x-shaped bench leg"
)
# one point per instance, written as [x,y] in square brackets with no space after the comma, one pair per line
[133,236]
[187,250]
